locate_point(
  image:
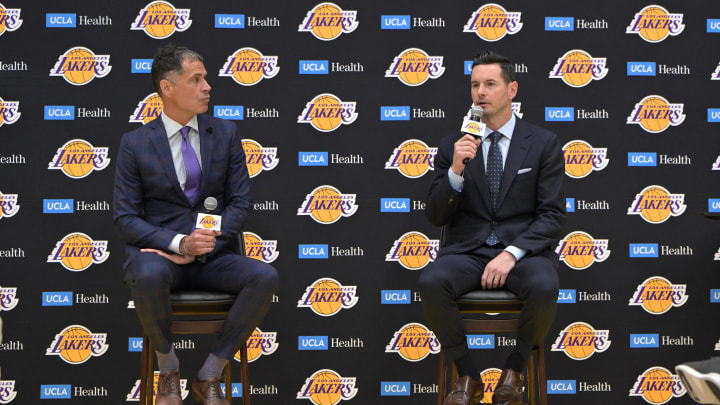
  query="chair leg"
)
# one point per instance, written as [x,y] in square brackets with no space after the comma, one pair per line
[245,377]
[442,375]
[228,382]
[531,366]
[147,372]
[542,379]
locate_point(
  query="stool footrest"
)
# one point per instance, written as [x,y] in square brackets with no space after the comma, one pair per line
[197,327]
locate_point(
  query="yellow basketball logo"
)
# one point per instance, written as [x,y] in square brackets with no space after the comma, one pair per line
[7,391]
[326,205]
[657,295]
[79,66]
[77,251]
[577,68]
[326,297]
[76,344]
[414,67]
[77,158]
[413,158]
[326,112]
[413,251]
[581,159]
[208,222]
[657,385]
[134,394]
[490,378]
[580,340]
[327,21]
[148,109]
[9,20]
[655,204]
[654,23]
[9,112]
[258,344]
[413,342]
[258,158]
[248,66]
[327,387]
[579,250]
[655,114]
[8,205]
[8,298]
[492,22]
[161,19]
[259,249]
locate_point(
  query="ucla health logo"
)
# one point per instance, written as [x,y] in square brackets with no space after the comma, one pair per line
[259,249]
[655,114]
[655,204]
[148,109]
[579,250]
[577,68]
[8,205]
[657,385]
[581,159]
[258,344]
[79,66]
[77,251]
[413,251]
[326,112]
[326,297]
[9,112]
[413,158]
[248,66]
[326,204]
[8,298]
[161,19]
[327,387]
[76,344]
[654,23]
[9,21]
[716,73]
[414,67]
[492,22]
[7,391]
[258,158]
[580,340]
[134,395]
[327,21]
[413,342]
[77,158]
[657,295]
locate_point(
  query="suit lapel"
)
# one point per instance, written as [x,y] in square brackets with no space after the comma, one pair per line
[519,146]
[159,139]
[207,145]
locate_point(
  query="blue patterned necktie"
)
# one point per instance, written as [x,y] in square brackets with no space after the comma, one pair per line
[193,173]
[494,173]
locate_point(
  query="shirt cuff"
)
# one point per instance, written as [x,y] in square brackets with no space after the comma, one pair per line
[456,182]
[175,243]
[517,252]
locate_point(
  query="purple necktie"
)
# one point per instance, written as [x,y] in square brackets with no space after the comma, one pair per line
[193,173]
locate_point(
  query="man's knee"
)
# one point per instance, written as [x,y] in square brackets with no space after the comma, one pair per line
[431,282]
[147,271]
[267,278]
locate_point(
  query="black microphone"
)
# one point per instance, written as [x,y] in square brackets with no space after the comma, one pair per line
[473,126]
[210,204]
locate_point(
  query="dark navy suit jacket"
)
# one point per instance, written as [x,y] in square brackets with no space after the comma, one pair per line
[150,207]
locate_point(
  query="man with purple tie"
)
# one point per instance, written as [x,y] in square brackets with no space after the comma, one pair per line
[165,170]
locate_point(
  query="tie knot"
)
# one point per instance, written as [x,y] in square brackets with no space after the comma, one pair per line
[184,131]
[495,136]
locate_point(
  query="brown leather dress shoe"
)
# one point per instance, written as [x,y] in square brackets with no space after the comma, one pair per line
[509,389]
[168,389]
[465,389]
[209,392]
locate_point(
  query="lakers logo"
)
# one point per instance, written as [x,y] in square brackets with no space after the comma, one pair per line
[716,73]
[413,342]
[413,251]
[78,158]
[413,158]
[8,205]
[259,249]
[655,114]
[657,385]
[516,109]
[655,204]
[327,21]
[258,344]
[717,255]
[148,109]
[247,66]
[326,297]
[579,250]
[161,19]
[577,68]
[653,23]
[326,205]
[581,159]
[327,387]
[492,22]
[9,21]
[579,341]
[326,112]
[208,222]
[8,299]
[414,67]
[79,66]
[77,251]
[7,391]
[9,112]
[716,165]
[258,158]
[76,344]
[657,295]
[134,395]
[490,378]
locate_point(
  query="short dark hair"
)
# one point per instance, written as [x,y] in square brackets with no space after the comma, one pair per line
[490,58]
[168,60]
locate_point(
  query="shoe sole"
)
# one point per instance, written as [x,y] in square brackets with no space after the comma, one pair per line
[703,388]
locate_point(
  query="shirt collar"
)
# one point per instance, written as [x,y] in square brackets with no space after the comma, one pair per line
[172,127]
[506,129]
